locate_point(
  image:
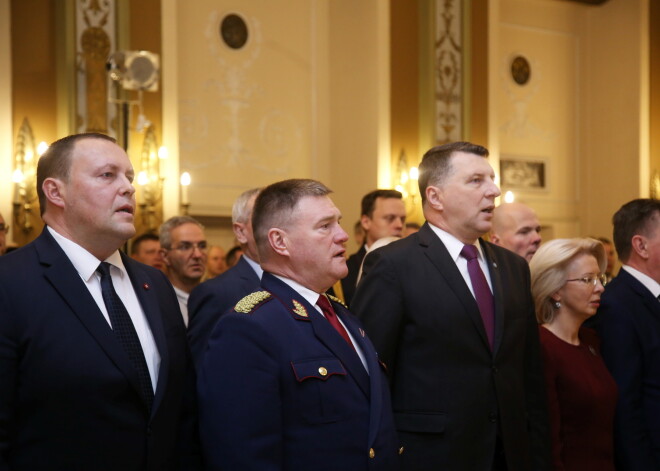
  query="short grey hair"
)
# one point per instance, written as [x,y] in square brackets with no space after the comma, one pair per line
[240,211]
[172,223]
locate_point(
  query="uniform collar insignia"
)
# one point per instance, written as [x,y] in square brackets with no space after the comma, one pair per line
[299,309]
[337,300]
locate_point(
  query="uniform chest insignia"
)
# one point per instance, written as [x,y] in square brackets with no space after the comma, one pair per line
[251,301]
[337,300]
[299,309]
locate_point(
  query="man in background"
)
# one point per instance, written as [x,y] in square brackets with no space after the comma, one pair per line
[611,257]
[516,228]
[383,214]
[215,263]
[289,380]
[184,249]
[453,318]
[146,249]
[628,322]
[4,228]
[94,364]
[213,298]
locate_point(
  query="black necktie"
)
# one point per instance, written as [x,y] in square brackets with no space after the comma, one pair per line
[125,332]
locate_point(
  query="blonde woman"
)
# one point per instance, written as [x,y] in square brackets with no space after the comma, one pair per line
[567,282]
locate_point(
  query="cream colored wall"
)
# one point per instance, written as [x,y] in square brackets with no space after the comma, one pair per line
[308,96]
[615,137]
[580,112]
[6,146]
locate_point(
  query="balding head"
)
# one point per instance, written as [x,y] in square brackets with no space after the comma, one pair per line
[516,227]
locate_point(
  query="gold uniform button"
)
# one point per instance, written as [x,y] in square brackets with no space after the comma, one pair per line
[323,371]
[372,453]
[401,451]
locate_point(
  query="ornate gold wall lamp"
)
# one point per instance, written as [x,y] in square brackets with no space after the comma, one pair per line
[406,180]
[150,181]
[24,176]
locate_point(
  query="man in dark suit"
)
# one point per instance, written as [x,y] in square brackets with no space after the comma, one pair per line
[628,322]
[289,380]
[453,318]
[214,297]
[95,372]
[383,214]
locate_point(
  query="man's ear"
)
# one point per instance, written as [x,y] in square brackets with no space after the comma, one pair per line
[55,191]
[240,230]
[163,255]
[434,198]
[640,246]
[365,221]
[494,238]
[278,241]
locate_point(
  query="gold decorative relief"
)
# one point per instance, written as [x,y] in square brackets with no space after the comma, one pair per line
[95,23]
[448,71]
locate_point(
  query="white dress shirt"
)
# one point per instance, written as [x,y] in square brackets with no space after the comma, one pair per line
[86,264]
[311,297]
[454,247]
[182,297]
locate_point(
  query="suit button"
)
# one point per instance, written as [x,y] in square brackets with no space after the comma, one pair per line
[323,371]
[372,453]
[492,417]
[401,451]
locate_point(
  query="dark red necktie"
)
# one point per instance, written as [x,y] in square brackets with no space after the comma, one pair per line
[330,315]
[482,292]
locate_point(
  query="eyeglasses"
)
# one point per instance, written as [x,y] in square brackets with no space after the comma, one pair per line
[4,227]
[189,247]
[592,279]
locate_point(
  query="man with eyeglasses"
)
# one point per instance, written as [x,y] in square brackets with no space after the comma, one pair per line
[4,228]
[628,322]
[184,248]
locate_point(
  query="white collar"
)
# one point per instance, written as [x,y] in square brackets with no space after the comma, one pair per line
[84,262]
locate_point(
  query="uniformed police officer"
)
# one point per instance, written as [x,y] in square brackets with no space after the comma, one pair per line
[289,380]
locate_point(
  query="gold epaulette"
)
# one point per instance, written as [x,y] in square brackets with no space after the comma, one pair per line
[252,300]
[337,300]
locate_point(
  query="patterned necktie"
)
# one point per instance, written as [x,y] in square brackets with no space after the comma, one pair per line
[125,332]
[330,315]
[482,292]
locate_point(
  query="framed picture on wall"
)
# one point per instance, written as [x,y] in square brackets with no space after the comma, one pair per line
[522,174]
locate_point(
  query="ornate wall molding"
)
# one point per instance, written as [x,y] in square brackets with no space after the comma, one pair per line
[448,71]
[95,38]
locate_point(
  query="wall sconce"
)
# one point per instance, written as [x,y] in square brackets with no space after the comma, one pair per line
[406,179]
[150,181]
[24,177]
[185,183]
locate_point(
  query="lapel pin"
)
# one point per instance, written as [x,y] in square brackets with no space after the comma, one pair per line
[361,331]
[494,265]
[146,286]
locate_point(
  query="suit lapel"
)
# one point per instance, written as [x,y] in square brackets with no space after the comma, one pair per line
[376,381]
[438,255]
[61,274]
[149,303]
[322,329]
